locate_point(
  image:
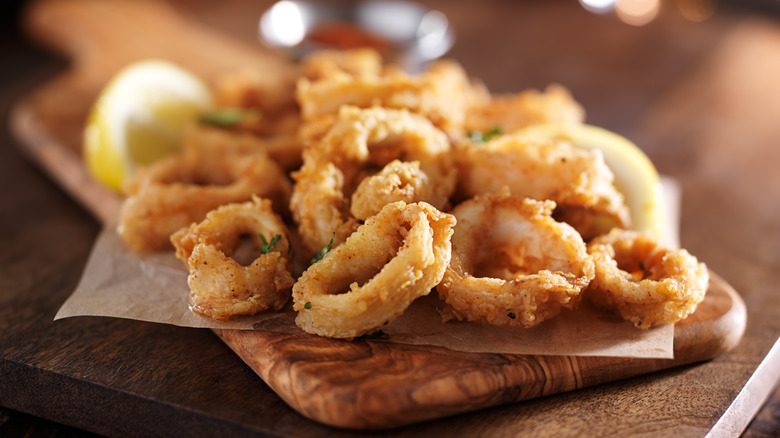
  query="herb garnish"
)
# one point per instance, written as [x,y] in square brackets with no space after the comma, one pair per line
[379,334]
[229,117]
[479,137]
[323,251]
[266,248]
[307,305]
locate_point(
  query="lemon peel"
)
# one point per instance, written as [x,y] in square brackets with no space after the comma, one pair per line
[139,118]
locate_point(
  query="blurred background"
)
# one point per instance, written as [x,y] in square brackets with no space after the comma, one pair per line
[610,53]
[615,56]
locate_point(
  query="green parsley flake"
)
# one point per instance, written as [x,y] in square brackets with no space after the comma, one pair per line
[323,251]
[307,305]
[479,137]
[229,117]
[266,248]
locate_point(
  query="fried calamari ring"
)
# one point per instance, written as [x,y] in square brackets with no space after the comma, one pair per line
[319,207]
[643,282]
[176,191]
[530,107]
[442,94]
[220,286]
[512,263]
[360,141]
[285,149]
[397,256]
[578,180]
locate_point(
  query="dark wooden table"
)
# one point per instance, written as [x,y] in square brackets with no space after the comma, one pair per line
[702,99]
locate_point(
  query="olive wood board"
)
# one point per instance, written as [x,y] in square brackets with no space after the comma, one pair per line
[361,384]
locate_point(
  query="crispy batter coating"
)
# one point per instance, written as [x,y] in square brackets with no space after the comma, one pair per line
[442,94]
[360,142]
[398,181]
[512,263]
[397,256]
[644,282]
[511,112]
[577,180]
[176,191]
[220,286]
[215,142]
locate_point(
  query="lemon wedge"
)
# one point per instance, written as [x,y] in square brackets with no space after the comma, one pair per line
[635,175]
[139,118]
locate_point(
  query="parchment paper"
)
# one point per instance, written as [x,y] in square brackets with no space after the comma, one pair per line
[118,282]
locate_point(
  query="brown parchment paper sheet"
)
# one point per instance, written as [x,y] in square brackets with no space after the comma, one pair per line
[118,282]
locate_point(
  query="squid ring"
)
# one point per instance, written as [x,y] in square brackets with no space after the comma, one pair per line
[177,191]
[578,180]
[512,263]
[220,286]
[360,141]
[643,282]
[397,256]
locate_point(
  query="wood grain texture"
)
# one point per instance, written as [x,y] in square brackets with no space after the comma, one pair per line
[751,398]
[374,384]
[63,163]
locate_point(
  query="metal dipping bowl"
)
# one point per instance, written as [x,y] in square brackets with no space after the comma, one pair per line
[404,32]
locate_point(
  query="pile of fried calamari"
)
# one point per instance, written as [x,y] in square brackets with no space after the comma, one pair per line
[358,188]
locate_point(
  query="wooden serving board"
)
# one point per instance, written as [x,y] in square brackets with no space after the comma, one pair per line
[351,384]
[375,384]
